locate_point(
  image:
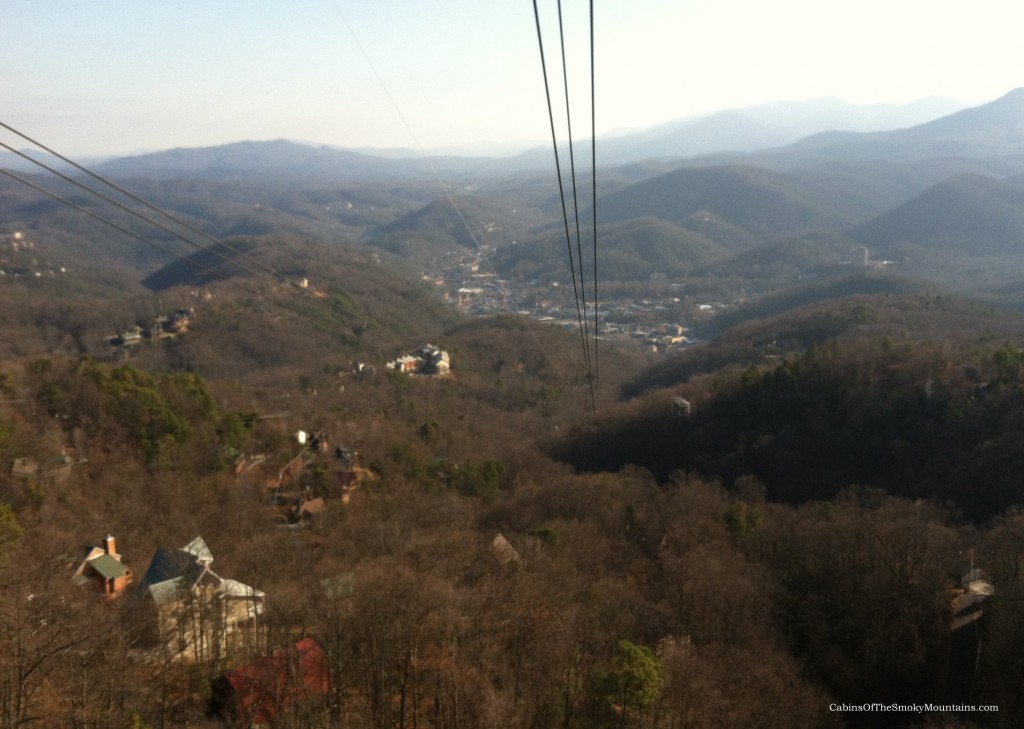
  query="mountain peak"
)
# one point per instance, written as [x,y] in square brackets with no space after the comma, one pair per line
[1002,120]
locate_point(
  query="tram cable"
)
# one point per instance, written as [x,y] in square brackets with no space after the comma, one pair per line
[579,288]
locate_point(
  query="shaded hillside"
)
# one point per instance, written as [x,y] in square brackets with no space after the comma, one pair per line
[760,341]
[760,201]
[521,366]
[220,209]
[460,222]
[791,259]
[74,236]
[629,251]
[218,262]
[917,420]
[358,304]
[787,298]
[260,206]
[755,343]
[965,215]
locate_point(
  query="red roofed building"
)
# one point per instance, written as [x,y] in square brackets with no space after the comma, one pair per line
[256,693]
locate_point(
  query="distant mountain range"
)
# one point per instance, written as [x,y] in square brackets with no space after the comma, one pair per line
[768,125]
[986,138]
[943,198]
[737,130]
[789,135]
[838,179]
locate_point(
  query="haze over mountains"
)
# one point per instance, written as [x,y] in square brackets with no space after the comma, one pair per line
[740,130]
[911,195]
[745,129]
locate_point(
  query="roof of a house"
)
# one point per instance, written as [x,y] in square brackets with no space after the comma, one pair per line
[90,552]
[313,506]
[198,548]
[504,551]
[24,467]
[170,574]
[269,685]
[234,588]
[168,591]
[108,567]
[172,565]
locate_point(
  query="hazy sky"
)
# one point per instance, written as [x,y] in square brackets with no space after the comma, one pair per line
[94,77]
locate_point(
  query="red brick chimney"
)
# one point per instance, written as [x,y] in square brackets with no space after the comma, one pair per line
[110,547]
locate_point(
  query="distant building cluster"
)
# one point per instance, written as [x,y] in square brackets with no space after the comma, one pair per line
[15,242]
[428,360]
[301,491]
[653,323]
[54,468]
[18,258]
[159,327]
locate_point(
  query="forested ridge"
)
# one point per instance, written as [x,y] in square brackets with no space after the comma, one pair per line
[812,502]
[917,420]
[797,540]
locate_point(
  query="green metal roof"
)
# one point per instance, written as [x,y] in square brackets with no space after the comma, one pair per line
[168,591]
[108,567]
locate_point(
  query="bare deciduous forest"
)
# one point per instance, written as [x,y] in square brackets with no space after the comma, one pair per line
[465,578]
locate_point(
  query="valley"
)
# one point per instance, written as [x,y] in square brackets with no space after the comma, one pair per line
[327,448]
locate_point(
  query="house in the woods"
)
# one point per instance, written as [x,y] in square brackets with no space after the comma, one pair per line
[428,360]
[970,600]
[503,550]
[283,683]
[347,472]
[103,568]
[193,612]
[54,468]
[292,510]
[24,467]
